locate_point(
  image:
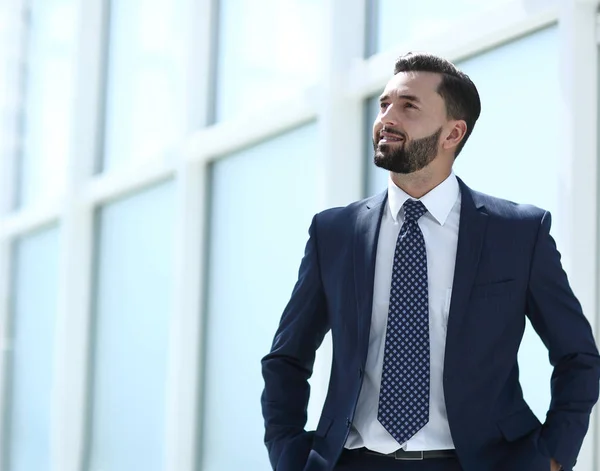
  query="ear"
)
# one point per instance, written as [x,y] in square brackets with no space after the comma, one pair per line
[456,135]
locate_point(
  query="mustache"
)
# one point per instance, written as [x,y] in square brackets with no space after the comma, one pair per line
[393,131]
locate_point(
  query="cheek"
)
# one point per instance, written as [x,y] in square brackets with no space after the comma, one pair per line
[377,127]
[419,127]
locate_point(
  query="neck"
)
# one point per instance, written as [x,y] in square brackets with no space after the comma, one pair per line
[418,184]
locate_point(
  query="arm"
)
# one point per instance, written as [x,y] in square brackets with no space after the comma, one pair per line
[557,317]
[287,368]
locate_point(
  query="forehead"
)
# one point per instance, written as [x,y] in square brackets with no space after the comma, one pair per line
[423,85]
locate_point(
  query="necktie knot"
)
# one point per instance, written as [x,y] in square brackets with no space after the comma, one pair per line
[413,210]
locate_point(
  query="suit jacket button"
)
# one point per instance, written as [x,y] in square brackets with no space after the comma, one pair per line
[348,422]
[360,372]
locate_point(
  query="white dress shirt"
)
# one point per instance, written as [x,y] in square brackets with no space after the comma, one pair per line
[440,231]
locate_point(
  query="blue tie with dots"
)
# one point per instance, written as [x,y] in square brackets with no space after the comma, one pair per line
[404,396]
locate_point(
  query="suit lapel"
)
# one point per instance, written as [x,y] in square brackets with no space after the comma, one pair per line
[471,234]
[366,234]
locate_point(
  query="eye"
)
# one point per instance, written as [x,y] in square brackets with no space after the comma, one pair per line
[410,105]
[383,105]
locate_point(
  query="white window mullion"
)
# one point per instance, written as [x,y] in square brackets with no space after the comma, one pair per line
[5,281]
[184,374]
[73,331]
[74,322]
[185,339]
[341,138]
[202,37]
[340,118]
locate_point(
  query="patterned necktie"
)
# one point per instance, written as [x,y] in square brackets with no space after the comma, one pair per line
[404,396]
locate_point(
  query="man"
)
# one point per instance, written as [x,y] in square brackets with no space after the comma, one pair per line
[425,289]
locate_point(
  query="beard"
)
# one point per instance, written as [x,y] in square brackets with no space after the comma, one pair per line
[408,157]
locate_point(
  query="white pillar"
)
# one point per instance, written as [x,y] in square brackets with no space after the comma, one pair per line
[184,387]
[579,83]
[341,138]
[341,121]
[74,323]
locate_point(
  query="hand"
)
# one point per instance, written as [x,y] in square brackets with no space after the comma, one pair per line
[554,466]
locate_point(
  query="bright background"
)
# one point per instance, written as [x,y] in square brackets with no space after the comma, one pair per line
[161,160]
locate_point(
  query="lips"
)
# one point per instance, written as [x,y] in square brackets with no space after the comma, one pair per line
[391,139]
[388,137]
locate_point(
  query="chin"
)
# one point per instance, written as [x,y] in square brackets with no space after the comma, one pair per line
[387,145]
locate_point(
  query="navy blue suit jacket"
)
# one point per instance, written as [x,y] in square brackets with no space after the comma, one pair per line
[507,267]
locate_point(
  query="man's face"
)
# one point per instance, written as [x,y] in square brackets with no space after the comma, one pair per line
[406,133]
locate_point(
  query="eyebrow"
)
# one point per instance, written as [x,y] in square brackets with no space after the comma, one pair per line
[403,97]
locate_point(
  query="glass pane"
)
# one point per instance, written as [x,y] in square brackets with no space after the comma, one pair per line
[268,49]
[377,178]
[396,21]
[48,99]
[133,308]
[8,54]
[146,96]
[34,313]
[261,209]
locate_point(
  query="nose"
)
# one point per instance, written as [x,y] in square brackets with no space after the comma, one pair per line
[388,116]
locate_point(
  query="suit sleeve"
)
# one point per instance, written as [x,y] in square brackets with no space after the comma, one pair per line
[289,365]
[557,317]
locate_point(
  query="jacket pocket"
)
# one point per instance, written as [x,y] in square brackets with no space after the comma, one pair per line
[518,424]
[295,452]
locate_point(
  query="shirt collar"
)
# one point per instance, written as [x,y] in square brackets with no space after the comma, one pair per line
[439,201]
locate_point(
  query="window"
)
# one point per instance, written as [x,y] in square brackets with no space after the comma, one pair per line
[34,313]
[396,21]
[262,202]
[48,104]
[146,105]
[376,178]
[267,50]
[133,309]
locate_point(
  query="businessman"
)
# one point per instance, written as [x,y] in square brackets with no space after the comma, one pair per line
[426,289]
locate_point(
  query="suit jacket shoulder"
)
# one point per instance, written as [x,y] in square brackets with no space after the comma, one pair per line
[341,217]
[501,210]
[506,209]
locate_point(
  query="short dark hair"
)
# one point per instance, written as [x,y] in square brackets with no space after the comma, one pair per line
[456,88]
